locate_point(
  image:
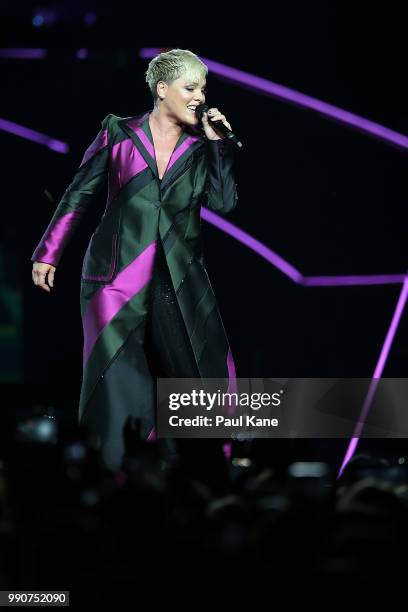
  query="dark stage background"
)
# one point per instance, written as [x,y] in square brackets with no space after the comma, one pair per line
[327,198]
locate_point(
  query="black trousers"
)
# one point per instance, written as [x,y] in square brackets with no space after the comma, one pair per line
[170,355]
[167,344]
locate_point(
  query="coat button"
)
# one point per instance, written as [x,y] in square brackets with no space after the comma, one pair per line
[157,204]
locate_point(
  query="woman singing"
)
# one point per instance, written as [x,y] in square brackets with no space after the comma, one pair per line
[148,309]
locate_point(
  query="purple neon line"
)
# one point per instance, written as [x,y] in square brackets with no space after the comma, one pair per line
[291,95]
[377,374]
[148,52]
[252,243]
[353,280]
[23,53]
[289,270]
[28,134]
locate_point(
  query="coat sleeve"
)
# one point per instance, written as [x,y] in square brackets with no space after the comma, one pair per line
[88,181]
[221,189]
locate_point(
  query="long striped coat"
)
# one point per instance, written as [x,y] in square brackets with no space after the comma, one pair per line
[118,263]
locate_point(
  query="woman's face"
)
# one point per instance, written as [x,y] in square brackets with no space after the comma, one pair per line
[182,94]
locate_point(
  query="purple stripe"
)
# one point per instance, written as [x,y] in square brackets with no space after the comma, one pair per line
[99,143]
[231,372]
[126,161]
[349,453]
[232,384]
[135,125]
[108,300]
[146,142]
[392,330]
[52,243]
[181,149]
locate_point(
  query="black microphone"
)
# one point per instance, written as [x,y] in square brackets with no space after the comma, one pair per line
[218,125]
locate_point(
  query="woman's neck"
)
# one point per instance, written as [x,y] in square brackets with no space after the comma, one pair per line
[163,126]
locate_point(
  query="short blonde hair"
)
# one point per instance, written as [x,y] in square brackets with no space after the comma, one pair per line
[171,65]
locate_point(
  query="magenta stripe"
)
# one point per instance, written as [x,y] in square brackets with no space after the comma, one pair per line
[50,247]
[392,330]
[135,125]
[181,149]
[108,300]
[146,142]
[126,161]
[99,143]
[349,453]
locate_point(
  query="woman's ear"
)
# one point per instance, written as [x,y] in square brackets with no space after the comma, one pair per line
[161,89]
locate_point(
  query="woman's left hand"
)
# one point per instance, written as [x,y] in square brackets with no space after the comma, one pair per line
[213,114]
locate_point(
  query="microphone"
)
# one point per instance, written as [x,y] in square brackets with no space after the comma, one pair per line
[218,125]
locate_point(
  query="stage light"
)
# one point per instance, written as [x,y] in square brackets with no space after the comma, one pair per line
[43,17]
[89,18]
[38,429]
[38,20]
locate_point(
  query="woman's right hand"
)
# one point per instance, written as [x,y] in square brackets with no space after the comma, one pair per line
[39,273]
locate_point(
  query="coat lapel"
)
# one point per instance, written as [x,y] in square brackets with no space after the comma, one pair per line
[138,129]
[134,128]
